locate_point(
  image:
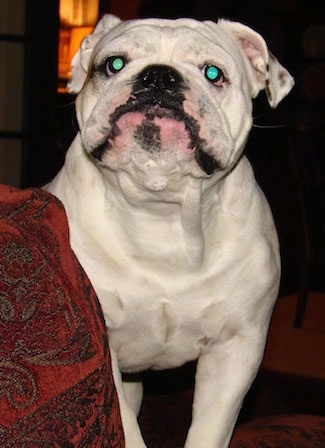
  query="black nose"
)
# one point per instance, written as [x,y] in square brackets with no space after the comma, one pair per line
[160,77]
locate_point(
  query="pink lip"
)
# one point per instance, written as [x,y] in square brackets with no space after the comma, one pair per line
[157,131]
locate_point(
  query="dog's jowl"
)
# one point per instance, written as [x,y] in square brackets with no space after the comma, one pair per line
[164,211]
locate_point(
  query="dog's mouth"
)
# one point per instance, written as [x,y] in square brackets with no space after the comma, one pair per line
[159,125]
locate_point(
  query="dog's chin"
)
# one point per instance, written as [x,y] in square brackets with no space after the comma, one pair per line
[155,131]
[165,135]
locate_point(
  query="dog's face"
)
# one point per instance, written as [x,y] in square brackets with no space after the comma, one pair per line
[161,99]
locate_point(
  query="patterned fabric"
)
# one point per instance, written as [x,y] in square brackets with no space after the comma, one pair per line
[56,386]
[281,431]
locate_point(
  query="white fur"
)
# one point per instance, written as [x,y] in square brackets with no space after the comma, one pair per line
[186,265]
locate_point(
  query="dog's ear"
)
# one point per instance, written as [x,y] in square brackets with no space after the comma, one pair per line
[267,72]
[80,61]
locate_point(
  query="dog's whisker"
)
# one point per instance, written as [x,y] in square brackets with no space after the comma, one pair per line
[66,105]
[271,126]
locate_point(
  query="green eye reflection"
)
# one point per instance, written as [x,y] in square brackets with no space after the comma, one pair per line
[213,73]
[115,64]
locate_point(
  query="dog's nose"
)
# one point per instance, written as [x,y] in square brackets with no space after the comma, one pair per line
[160,77]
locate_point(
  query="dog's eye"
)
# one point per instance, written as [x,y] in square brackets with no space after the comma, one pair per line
[213,74]
[115,64]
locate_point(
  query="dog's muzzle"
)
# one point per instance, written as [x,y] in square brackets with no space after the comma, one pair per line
[158,92]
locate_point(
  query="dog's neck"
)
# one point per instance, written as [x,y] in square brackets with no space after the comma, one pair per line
[162,226]
[146,214]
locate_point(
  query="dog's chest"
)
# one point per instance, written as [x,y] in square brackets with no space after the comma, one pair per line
[168,284]
[154,327]
[159,320]
[160,310]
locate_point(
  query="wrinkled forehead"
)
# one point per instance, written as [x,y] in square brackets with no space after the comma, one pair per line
[151,36]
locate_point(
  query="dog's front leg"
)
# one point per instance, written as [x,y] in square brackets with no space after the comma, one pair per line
[223,377]
[128,410]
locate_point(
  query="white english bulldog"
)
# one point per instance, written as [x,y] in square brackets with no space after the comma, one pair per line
[165,214]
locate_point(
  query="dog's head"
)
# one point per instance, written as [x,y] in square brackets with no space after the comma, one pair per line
[162,99]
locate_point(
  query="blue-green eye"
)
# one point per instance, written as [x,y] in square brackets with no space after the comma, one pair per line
[213,73]
[115,64]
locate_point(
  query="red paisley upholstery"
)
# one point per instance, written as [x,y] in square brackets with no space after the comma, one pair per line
[56,387]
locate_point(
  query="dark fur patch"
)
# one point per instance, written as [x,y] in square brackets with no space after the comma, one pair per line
[97,153]
[208,164]
[148,136]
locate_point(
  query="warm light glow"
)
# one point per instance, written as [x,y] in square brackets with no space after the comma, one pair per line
[69,43]
[78,12]
[77,20]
